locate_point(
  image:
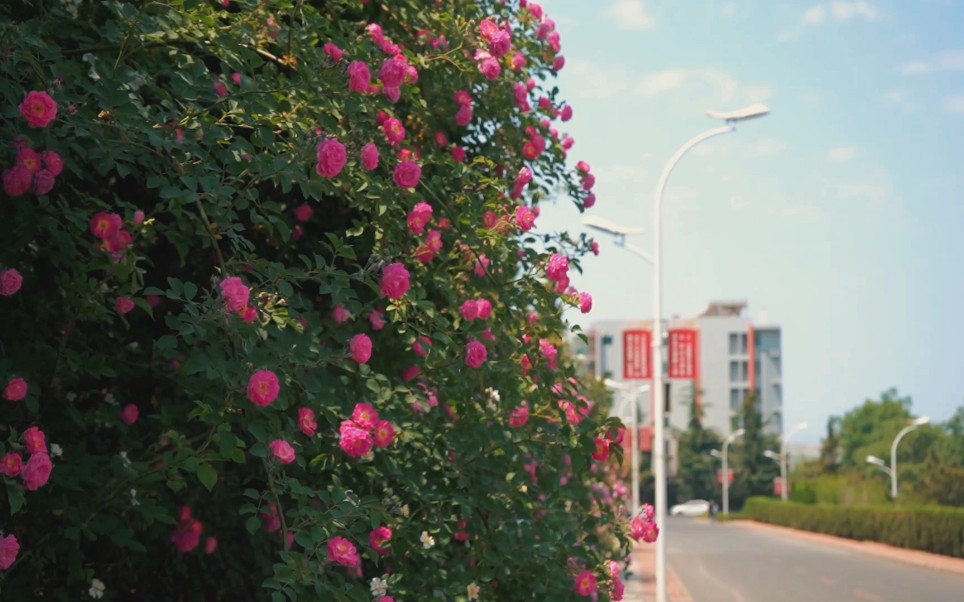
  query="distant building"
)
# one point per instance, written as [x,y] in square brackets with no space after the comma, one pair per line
[733,357]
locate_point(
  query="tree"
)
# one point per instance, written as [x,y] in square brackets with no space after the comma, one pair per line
[871,428]
[830,451]
[697,468]
[754,472]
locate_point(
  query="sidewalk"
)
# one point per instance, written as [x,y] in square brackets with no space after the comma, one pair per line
[641,587]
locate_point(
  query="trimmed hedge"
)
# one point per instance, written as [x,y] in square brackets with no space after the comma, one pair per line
[934,529]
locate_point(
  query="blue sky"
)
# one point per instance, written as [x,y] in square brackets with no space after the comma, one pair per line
[840,214]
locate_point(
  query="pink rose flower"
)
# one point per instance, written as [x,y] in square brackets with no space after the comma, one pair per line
[590,201]
[9,548]
[303,212]
[377,319]
[485,308]
[408,174]
[354,441]
[500,44]
[566,113]
[123,305]
[333,52]
[306,421]
[383,434]
[361,348]
[332,157]
[585,584]
[393,72]
[188,535]
[105,225]
[458,154]
[11,464]
[37,471]
[36,440]
[395,281]
[235,294]
[138,217]
[359,77]
[601,453]
[210,545]
[645,529]
[282,450]
[470,310]
[10,282]
[419,217]
[343,552]
[364,416]
[422,346]
[379,537]
[559,63]
[519,417]
[130,414]
[263,388]
[585,302]
[518,62]
[340,314]
[463,116]
[558,268]
[394,131]
[17,180]
[30,159]
[410,373]
[475,354]
[525,218]
[39,109]
[369,156]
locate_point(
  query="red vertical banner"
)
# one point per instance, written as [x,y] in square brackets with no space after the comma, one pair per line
[751,358]
[719,476]
[684,354]
[637,358]
[646,439]
[778,486]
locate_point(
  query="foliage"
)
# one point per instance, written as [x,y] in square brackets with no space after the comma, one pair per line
[754,472]
[197,139]
[929,528]
[697,468]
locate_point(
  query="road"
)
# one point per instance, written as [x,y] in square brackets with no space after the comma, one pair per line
[726,562]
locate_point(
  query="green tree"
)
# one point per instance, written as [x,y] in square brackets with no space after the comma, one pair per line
[697,468]
[871,428]
[754,472]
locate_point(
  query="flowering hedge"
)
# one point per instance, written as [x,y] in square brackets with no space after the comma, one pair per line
[273,319]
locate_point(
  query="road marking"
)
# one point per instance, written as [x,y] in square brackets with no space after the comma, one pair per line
[865,595]
[737,596]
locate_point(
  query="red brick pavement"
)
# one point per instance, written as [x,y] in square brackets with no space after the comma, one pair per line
[641,586]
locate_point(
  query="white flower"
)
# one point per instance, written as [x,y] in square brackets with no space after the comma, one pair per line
[473,590]
[109,398]
[56,451]
[427,540]
[379,587]
[134,501]
[71,396]
[127,461]
[405,511]
[97,588]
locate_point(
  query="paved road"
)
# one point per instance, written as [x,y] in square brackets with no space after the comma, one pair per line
[726,562]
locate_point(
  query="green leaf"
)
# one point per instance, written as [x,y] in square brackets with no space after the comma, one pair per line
[15,497]
[207,475]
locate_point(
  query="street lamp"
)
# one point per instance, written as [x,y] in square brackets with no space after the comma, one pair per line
[881,465]
[637,391]
[726,468]
[892,471]
[783,459]
[659,432]
[772,455]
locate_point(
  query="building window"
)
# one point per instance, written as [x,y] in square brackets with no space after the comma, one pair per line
[734,343]
[735,398]
[744,374]
[743,343]
[734,371]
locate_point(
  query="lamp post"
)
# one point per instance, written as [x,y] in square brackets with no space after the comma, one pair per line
[636,392]
[892,471]
[659,426]
[726,468]
[783,459]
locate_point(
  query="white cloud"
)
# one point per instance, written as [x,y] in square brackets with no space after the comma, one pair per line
[844,11]
[595,81]
[662,81]
[841,154]
[738,202]
[769,146]
[954,104]
[951,60]
[725,89]
[630,14]
[728,9]
[815,15]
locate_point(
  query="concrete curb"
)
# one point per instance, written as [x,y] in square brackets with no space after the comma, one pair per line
[902,555]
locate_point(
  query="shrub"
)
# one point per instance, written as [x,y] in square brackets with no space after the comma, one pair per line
[934,529]
[237,322]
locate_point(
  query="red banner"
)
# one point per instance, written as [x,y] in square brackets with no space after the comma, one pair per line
[778,486]
[751,352]
[646,440]
[719,476]
[684,353]
[637,360]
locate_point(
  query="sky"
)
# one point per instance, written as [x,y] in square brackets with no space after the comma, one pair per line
[839,216]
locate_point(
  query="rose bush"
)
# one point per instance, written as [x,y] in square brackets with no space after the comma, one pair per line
[245,216]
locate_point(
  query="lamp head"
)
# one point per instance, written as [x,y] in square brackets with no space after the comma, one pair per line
[771,454]
[875,460]
[604,225]
[750,112]
[922,420]
[715,453]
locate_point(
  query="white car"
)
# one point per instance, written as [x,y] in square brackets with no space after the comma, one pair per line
[690,508]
